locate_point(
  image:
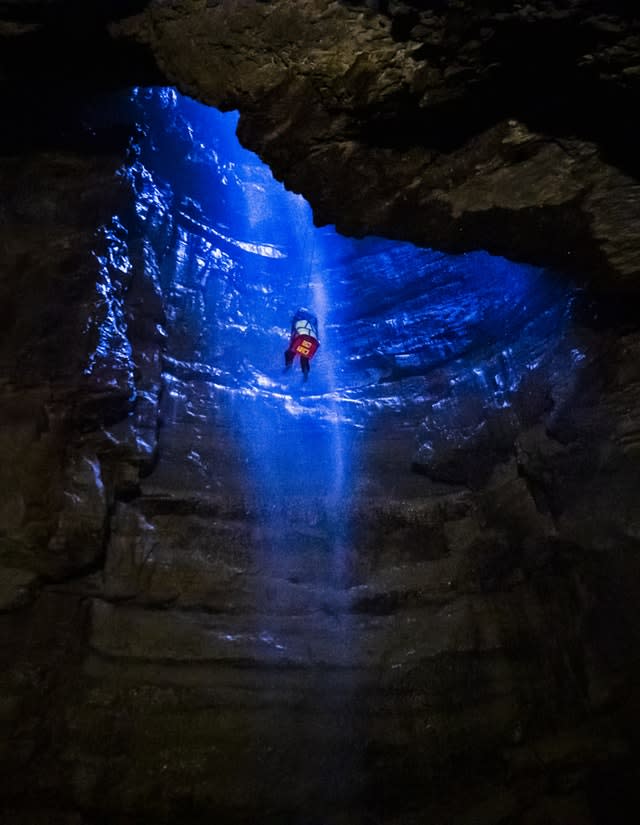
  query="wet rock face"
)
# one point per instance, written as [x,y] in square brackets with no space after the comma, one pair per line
[446,628]
[407,593]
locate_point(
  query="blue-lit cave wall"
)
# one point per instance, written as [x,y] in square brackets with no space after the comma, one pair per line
[402,587]
[428,362]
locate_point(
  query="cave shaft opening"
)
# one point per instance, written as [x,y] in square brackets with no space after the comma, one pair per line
[423,348]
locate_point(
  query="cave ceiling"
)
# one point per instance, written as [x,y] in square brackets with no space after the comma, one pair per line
[455,125]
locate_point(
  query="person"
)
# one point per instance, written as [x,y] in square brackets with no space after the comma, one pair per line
[304,340]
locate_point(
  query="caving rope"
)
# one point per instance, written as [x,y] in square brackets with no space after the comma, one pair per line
[304,327]
[310,241]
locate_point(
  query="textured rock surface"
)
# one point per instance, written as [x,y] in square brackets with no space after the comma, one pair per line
[466,651]
[453,125]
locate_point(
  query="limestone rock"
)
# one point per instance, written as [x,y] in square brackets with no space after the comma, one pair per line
[457,644]
[434,117]
[16,588]
[77,542]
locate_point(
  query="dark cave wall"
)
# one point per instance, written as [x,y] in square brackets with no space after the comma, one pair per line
[481,666]
[477,664]
[81,343]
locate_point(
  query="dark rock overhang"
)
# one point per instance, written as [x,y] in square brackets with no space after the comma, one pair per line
[505,127]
